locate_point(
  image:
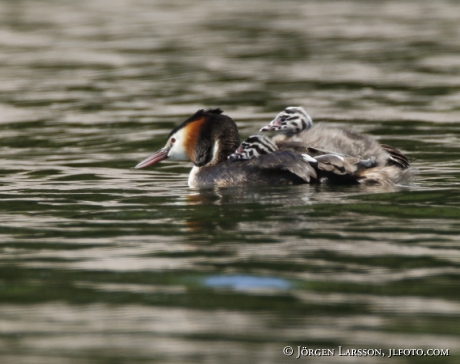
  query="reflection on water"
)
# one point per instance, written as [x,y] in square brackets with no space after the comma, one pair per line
[248,283]
[101,263]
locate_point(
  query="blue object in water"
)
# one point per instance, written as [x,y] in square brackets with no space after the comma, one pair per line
[244,282]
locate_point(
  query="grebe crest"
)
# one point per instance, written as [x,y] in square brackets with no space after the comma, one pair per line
[291,120]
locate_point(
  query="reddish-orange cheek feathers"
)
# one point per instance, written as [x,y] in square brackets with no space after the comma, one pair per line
[192,131]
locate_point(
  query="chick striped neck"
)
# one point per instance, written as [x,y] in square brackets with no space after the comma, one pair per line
[254,147]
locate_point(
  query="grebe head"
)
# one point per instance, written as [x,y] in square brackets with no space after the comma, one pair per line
[206,138]
[254,147]
[291,120]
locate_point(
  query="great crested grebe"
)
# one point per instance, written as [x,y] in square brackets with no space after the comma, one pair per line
[296,126]
[207,138]
[330,167]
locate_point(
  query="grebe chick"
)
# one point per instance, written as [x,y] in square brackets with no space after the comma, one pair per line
[296,126]
[253,147]
[290,121]
[208,137]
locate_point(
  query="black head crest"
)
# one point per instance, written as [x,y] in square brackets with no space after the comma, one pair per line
[217,111]
[202,112]
[199,114]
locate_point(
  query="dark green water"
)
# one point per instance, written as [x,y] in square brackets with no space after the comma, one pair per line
[101,263]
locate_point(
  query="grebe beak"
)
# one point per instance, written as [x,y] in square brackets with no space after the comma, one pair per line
[237,154]
[154,158]
[274,125]
[267,128]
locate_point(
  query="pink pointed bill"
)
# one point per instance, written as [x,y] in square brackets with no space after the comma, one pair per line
[237,154]
[268,128]
[154,158]
[274,125]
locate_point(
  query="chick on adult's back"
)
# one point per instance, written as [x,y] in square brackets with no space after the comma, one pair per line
[296,126]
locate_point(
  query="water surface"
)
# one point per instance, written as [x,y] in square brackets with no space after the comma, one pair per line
[101,263]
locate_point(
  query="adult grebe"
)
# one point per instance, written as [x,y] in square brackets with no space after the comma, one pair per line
[207,138]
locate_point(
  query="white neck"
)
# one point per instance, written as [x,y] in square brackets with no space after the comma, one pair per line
[192,177]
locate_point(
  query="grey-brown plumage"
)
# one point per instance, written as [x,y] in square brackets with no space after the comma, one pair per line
[392,163]
[396,157]
[337,169]
[331,167]
[338,140]
[278,168]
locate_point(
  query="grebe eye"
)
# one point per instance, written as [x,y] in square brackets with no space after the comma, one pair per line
[173,140]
